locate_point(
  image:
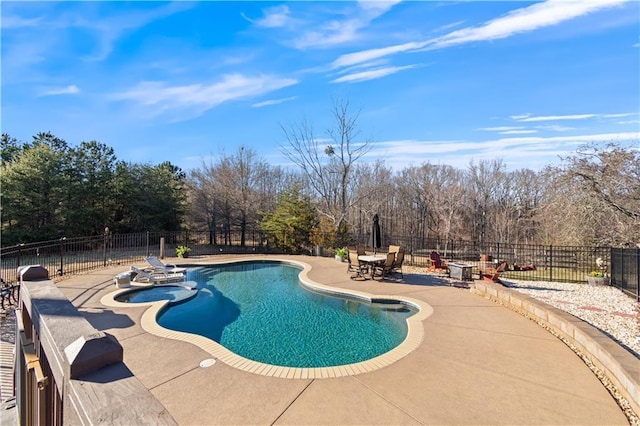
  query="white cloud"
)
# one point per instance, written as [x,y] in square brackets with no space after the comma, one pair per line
[370,74]
[313,32]
[534,152]
[526,19]
[556,128]
[500,128]
[274,17]
[518,132]
[518,21]
[158,97]
[69,90]
[527,118]
[371,54]
[329,34]
[273,102]
[110,30]
[341,31]
[377,7]
[12,22]
[625,114]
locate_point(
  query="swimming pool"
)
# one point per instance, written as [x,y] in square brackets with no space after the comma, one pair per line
[261,312]
[269,318]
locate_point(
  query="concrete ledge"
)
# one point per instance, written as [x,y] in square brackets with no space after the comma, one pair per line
[85,365]
[620,366]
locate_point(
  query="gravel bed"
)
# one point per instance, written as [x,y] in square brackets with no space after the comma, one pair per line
[606,308]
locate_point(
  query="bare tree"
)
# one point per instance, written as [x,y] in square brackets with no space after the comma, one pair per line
[229,194]
[594,198]
[612,174]
[328,167]
[486,184]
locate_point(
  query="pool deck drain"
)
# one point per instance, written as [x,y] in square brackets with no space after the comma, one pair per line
[207,362]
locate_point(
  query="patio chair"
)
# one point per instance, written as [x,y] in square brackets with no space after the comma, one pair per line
[354,265]
[386,268]
[436,262]
[493,274]
[8,293]
[155,277]
[394,249]
[397,263]
[358,249]
[159,266]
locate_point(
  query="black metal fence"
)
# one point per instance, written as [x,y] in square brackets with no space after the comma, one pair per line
[69,256]
[525,261]
[625,270]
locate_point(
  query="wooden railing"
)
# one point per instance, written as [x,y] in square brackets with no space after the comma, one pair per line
[68,372]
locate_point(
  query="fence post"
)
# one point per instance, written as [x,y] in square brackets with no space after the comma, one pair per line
[551,263]
[19,254]
[148,253]
[638,274]
[104,247]
[61,270]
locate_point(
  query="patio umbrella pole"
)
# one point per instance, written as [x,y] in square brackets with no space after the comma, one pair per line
[375,234]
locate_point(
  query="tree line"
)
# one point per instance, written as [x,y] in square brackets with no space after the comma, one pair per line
[50,189]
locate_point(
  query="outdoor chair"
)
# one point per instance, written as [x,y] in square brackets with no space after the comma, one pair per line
[155,277]
[394,249]
[493,274]
[436,262]
[358,249]
[8,293]
[354,265]
[397,263]
[159,266]
[386,268]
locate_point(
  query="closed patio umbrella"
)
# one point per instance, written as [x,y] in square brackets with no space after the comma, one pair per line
[376,238]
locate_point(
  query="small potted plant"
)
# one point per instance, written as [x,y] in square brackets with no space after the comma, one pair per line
[596,277]
[182,251]
[341,254]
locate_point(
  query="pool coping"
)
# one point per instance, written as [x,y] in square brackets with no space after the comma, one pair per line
[415,330]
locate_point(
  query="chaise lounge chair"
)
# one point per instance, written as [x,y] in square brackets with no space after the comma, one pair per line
[159,266]
[143,276]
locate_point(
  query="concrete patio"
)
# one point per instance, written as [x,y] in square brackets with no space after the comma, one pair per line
[479,363]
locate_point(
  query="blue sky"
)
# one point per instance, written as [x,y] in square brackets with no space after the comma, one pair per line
[440,82]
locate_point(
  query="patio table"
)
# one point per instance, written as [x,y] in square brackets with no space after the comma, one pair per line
[371,260]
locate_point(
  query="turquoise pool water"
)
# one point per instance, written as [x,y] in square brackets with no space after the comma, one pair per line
[260,311]
[172,293]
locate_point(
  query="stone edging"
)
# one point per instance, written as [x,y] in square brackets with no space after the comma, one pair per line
[615,362]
